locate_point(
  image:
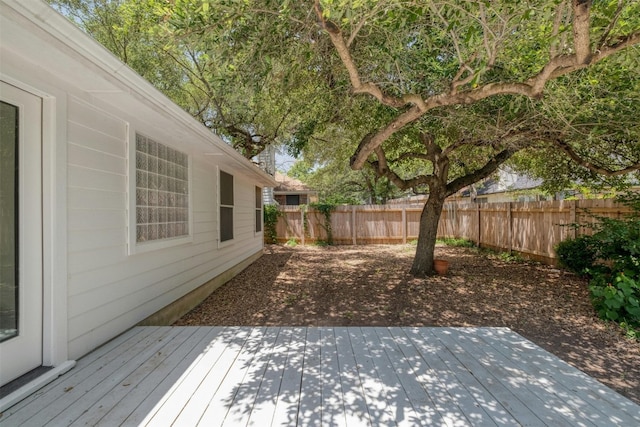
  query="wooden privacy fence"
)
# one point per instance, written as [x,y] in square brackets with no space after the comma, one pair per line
[530,228]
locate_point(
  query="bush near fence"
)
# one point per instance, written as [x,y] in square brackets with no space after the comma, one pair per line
[531,229]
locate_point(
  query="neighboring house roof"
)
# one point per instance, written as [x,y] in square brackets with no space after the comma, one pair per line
[288,185]
[508,183]
[503,182]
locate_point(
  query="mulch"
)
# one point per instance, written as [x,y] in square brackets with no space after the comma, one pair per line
[371,286]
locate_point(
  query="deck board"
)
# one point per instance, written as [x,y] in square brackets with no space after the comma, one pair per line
[142,397]
[487,378]
[421,403]
[356,412]
[307,376]
[309,407]
[375,396]
[467,409]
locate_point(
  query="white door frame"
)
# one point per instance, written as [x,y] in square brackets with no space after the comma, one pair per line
[54,229]
[23,352]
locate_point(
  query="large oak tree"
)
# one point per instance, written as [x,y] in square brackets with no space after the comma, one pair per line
[430,95]
[419,57]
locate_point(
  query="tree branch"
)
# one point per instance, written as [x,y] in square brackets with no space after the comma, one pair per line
[533,87]
[581,33]
[576,158]
[614,21]
[381,168]
[361,24]
[490,167]
[335,34]
[555,48]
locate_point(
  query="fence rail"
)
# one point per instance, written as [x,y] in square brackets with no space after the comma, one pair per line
[529,228]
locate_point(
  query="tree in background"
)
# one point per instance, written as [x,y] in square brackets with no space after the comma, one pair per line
[232,67]
[491,59]
[432,96]
[597,108]
[325,161]
[337,183]
[130,31]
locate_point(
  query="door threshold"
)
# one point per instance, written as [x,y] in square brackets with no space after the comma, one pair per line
[14,385]
[19,389]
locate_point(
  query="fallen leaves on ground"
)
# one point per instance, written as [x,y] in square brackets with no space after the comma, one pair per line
[371,286]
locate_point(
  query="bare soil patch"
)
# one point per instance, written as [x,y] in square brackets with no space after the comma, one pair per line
[370,285]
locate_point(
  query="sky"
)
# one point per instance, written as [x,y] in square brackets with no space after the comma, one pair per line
[284,161]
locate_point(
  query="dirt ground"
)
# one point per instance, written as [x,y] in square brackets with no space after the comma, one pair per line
[370,285]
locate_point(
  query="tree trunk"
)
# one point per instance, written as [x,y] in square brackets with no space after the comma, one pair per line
[423,261]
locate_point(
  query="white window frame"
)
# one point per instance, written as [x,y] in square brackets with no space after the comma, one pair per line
[259,211]
[134,246]
[222,243]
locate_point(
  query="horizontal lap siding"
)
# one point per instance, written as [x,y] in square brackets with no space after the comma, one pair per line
[110,290]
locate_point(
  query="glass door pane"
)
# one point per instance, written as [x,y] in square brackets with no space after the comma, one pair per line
[8,221]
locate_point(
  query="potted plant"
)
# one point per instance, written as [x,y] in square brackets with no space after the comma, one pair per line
[441,266]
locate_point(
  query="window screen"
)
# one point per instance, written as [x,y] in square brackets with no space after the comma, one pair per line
[293,199]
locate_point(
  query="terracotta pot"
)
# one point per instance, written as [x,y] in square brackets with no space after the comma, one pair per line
[441,266]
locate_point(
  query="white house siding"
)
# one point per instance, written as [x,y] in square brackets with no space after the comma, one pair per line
[110,290]
[95,287]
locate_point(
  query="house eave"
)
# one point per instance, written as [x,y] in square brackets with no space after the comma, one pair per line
[294,192]
[121,79]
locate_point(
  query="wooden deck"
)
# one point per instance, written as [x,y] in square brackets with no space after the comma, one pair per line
[209,376]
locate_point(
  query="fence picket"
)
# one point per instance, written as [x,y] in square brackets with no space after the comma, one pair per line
[532,229]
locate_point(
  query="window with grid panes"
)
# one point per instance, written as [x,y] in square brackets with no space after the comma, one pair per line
[162,191]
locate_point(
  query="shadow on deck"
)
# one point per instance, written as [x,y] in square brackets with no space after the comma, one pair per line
[187,376]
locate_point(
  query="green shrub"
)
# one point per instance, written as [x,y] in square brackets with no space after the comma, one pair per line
[293,242]
[513,257]
[578,255]
[456,242]
[326,209]
[613,247]
[611,257]
[617,299]
[618,242]
[270,215]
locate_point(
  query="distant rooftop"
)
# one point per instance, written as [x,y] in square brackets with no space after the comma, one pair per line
[286,184]
[508,182]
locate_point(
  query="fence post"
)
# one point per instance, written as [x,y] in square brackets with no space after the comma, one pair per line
[354,226]
[478,221]
[572,219]
[510,225]
[302,224]
[404,224]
